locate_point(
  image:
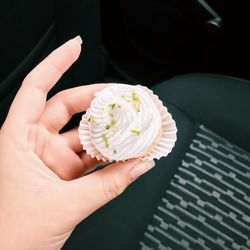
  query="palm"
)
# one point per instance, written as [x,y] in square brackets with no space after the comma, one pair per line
[44,194]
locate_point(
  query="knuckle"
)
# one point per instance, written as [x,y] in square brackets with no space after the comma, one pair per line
[55,69]
[58,95]
[28,79]
[66,175]
[61,97]
[76,170]
[112,187]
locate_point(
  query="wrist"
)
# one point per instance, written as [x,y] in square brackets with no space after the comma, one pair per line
[26,236]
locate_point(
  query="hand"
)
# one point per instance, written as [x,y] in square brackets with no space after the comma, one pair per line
[43,191]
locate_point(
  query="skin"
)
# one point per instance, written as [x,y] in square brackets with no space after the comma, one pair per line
[44,192]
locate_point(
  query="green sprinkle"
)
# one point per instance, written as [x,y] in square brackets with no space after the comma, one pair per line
[125,98]
[135,132]
[136,107]
[113,122]
[105,139]
[136,102]
[91,119]
[114,151]
[135,98]
[112,105]
[108,126]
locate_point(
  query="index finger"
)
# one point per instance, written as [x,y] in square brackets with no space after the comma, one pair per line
[61,107]
[30,100]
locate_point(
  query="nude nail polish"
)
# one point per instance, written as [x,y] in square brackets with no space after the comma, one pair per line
[78,39]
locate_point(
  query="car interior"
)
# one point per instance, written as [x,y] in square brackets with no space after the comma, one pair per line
[194,55]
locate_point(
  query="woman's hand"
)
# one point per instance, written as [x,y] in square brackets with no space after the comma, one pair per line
[43,191]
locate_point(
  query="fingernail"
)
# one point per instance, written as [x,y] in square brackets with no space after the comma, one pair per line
[141,169]
[78,39]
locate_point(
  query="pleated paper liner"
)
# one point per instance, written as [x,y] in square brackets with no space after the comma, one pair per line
[168,137]
[163,146]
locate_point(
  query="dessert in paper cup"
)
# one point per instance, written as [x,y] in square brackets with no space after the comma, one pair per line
[125,122]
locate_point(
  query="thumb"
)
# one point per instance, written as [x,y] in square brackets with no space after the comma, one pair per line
[91,192]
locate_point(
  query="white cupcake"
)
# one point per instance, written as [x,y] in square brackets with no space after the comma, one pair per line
[125,122]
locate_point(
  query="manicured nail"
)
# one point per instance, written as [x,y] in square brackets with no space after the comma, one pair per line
[78,39]
[141,169]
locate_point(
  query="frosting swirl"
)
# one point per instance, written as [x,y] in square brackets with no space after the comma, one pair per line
[124,122]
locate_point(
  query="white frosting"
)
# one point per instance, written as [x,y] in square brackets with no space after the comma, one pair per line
[124,121]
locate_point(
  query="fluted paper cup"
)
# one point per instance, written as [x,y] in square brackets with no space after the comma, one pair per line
[161,147]
[168,136]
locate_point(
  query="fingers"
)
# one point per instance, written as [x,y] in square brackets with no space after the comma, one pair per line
[61,107]
[90,192]
[30,100]
[72,139]
[90,164]
[69,168]
[62,160]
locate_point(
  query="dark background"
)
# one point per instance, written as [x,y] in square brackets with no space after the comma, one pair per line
[30,30]
[144,40]
[155,39]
